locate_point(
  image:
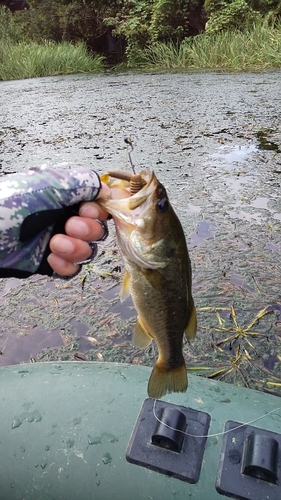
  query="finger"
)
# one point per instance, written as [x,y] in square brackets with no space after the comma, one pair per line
[119,193]
[84,228]
[104,191]
[93,211]
[70,249]
[61,266]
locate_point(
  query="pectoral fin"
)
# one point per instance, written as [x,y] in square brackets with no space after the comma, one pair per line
[191,327]
[125,287]
[141,337]
[154,277]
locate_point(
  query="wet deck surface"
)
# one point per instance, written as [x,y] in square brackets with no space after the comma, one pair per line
[214,141]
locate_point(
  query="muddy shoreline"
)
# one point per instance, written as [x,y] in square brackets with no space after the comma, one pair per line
[214,140]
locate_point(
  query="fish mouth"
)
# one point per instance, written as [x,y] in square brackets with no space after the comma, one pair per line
[125,209]
[137,199]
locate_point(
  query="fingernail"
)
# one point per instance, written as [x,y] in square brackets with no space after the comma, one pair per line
[79,227]
[89,210]
[64,246]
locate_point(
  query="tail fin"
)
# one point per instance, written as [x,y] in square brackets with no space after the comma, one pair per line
[163,380]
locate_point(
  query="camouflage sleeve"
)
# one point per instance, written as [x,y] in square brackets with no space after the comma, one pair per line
[34,205]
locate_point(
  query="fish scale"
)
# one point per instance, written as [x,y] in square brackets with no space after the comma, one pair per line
[157,274]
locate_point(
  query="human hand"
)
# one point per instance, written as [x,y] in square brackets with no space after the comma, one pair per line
[72,247]
[37,207]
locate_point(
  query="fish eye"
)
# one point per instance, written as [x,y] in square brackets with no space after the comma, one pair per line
[162,205]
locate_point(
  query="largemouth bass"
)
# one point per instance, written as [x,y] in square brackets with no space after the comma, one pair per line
[157,274]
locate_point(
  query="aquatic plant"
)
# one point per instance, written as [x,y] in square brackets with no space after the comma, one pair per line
[28,60]
[257,47]
[237,356]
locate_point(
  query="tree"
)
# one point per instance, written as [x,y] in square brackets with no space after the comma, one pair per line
[66,20]
[14,5]
[231,15]
[142,22]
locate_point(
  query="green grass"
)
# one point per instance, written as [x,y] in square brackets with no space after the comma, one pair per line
[256,48]
[29,59]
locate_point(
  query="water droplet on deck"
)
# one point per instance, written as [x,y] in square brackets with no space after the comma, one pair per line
[94,440]
[107,458]
[27,406]
[111,437]
[76,421]
[16,423]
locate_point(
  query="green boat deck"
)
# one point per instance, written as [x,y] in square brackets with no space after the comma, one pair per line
[65,428]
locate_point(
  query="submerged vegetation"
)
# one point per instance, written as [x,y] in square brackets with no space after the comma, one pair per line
[48,38]
[238,358]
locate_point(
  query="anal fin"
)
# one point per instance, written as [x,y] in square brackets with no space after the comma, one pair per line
[141,337]
[191,327]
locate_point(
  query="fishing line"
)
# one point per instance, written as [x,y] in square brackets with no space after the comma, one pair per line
[217,433]
[128,141]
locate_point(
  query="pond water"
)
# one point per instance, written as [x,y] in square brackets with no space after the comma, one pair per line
[214,140]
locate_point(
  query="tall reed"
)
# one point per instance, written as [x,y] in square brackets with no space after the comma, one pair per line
[258,47]
[30,59]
